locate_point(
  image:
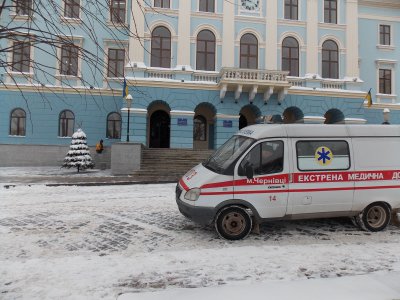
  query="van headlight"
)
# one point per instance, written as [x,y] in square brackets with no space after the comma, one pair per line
[192,194]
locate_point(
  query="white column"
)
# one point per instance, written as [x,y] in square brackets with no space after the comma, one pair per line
[136,42]
[352,69]
[271,56]
[184,33]
[312,37]
[228,34]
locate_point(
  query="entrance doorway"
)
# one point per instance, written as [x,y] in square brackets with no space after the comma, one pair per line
[160,123]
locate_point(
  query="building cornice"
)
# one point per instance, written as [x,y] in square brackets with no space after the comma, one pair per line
[61,90]
[380,4]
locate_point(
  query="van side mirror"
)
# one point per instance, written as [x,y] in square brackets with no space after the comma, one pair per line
[249,171]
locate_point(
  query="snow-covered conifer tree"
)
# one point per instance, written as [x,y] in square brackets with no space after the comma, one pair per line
[78,155]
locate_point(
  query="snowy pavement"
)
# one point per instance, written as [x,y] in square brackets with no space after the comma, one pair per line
[74,242]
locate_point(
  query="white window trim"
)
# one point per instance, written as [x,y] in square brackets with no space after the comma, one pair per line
[391,45]
[338,15]
[298,11]
[10,73]
[125,24]
[111,45]
[207,12]
[387,65]
[170,5]
[78,42]
[68,19]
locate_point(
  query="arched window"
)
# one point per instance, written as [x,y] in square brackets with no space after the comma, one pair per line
[114,125]
[66,123]
[161,47]
[248,51]
[199,128]
[17,122]
[205,56]
[330,59]
[290,56]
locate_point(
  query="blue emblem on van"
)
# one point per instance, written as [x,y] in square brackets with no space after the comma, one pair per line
[323,156]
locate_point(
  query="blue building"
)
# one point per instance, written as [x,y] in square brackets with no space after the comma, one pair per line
[198,70]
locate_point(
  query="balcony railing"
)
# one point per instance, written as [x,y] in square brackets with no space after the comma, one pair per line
[234,74]
[337,85]
[160,74]
[206,77]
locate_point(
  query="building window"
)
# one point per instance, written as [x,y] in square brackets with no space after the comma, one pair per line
[66,123]
[21,57]
[116,62]
[290,56]
[69,60]
[291,9]
[330,11]
[205,55]
[384,34]
[385,81]
[199,128]
[162,3]
[114,126]
[23,7]
[118,11]
[330,60]
[72,9]
[248,51]
[161,47]
[17,122]
[207,5]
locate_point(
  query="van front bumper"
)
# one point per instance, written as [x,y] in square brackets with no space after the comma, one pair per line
[198,214]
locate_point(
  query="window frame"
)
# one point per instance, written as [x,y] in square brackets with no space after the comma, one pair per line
[69,6]
[25,7]
[72,57]
[115,17]
[383,82]
[290,6]
[385,35]
[208,44]
[209,6]
[291,61]
[322,141]
[17,65]
[61,127]
[332,12]
[114,122]
[20,132]
[330,62]
[115,62]
[162,3]
[248,56]
[161,58]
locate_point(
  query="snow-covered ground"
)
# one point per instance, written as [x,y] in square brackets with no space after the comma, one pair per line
[73,242]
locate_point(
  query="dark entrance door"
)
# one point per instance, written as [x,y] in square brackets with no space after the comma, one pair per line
[159,129]
[242,121]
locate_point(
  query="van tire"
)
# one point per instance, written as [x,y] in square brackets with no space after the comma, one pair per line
[233,223]
[375,217]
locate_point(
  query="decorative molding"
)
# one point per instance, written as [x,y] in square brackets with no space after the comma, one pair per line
[297,23]
[207,15]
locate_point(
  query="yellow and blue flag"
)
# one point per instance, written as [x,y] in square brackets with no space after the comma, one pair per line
[369,98]
[125,90]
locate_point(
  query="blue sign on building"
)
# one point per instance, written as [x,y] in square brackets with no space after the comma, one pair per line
[182,122]
[227,123]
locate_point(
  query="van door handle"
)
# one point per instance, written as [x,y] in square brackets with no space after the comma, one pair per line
[290,177]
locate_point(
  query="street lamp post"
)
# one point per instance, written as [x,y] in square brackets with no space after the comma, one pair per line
[128,100]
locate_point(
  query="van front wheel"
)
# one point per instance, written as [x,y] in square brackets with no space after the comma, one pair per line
[375,217]
[233,223]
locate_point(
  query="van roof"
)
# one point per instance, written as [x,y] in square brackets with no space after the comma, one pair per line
[318,130]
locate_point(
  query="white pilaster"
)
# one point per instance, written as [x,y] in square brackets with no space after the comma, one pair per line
[352,69]
[312,37]
[271,56]
[136,41]
[184,33]
[228,33]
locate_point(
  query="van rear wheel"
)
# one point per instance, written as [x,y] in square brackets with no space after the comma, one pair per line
[233,223]
[375,217]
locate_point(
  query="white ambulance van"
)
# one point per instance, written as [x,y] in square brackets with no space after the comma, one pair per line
[296,171]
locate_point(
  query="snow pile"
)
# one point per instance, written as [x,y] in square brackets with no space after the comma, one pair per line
[79,155]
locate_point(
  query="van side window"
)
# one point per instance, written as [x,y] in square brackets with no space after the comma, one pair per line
[322,155]
[265,158]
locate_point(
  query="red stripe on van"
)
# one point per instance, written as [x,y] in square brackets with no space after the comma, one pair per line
[302,190]
[183,184]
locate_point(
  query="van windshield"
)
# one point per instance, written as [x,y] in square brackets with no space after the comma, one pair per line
[222,161]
